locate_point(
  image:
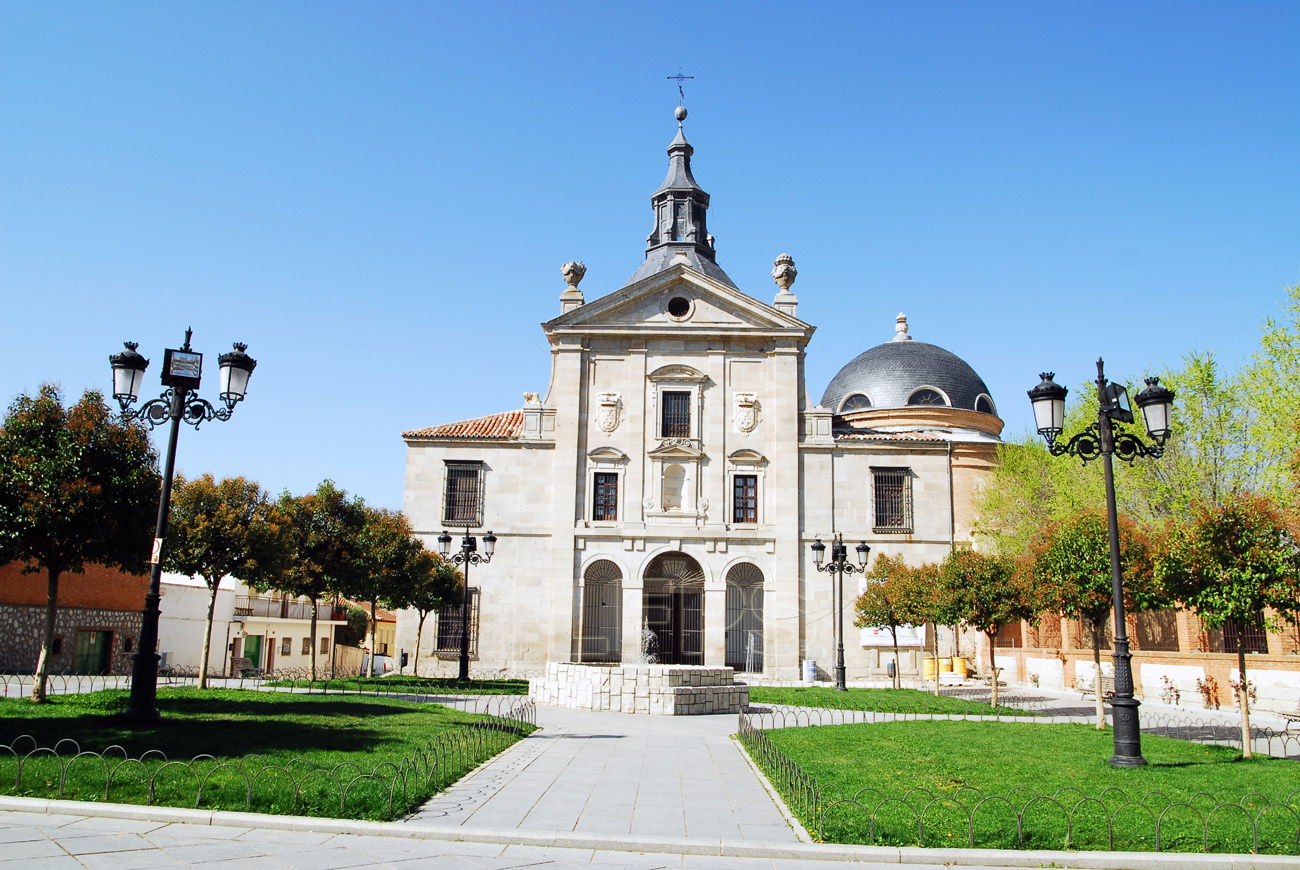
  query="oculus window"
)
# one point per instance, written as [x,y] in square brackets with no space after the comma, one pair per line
[926,396]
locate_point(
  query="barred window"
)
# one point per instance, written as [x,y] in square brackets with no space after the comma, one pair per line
[892,491]
[324,645]
[675,414]
[449,626]
[306,646]
[604,507]
[744,498]
[462,503]
[286,646]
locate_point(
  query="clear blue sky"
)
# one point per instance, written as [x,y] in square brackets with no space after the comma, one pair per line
[377,197]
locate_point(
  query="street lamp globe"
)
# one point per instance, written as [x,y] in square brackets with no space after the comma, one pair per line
[236,367]
[489,544]
[1156,404]
[128,372]
[819,552]
[1048,400]
[444,543]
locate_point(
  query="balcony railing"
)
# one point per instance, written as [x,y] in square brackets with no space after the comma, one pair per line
[283,608]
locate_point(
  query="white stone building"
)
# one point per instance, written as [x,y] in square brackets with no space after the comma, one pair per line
[676,472]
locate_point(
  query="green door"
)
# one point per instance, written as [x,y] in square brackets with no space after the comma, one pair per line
[93,650]
[253,649]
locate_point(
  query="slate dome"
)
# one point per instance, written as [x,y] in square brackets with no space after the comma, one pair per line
[904,372]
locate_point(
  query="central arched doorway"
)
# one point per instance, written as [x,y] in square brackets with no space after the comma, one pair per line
[673,607]
[602,612]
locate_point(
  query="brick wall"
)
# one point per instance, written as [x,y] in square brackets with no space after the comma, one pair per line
[95,587]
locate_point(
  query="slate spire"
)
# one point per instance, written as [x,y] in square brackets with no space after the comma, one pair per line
[681,209]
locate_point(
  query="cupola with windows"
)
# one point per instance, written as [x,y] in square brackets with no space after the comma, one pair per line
[908,384]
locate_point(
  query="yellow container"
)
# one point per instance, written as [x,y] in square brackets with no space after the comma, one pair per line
[961,667]
[927,669]
[945,666]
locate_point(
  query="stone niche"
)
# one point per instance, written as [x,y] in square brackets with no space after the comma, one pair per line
[663,690]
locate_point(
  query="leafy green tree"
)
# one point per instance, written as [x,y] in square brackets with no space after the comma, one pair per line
[390,561]
[322,547]
[76,486]
[1271,386]
[1234,561]
[224,529]
[889,599]
[987,592]
[433,589]
[1070,567]
[934,603]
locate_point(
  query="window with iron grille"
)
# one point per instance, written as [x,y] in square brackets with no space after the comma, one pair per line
[462,502]
[675,415]
[604,506]
[1249,633]
[306,646]
[449,627]
[324,644]
[744,498]
[892,493]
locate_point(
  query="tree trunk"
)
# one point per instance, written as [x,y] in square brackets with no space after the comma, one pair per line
[897,681]
[374,642]
[935,644]
[47,640]
[213,585]
[313,639]
[1096,679]
[1243,699]
[419,632]
[993,668]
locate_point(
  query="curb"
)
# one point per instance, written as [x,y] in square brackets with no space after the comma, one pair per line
[668,845]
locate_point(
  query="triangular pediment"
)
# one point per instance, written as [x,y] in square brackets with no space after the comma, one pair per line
[709,307]
[675,450]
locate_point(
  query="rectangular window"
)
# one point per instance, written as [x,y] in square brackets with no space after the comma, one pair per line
[675,414]
[449,627]
[892,493]
[306,646]
[744,498]
[286,646]
[604,506]
[325,645]
[462,503]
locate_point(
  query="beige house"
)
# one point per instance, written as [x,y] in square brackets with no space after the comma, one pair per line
[670,481]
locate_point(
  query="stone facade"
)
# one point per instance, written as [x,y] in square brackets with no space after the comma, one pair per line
[664,690]
[22,626]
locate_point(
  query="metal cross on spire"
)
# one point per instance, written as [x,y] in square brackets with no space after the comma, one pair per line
[679,78]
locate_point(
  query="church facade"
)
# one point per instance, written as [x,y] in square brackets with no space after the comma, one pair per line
[663,495]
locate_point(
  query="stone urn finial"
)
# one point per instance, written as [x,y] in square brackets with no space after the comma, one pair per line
[573,272]
[784,272]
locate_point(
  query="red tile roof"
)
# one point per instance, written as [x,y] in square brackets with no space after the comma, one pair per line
[842,435]
[507,425]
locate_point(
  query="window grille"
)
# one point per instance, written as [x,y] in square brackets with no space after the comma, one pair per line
[324,645]
[462,503]
[675,418]
[604,506]
[306,646]
[449,627]
[1247,632]
[744,498]
[893,500]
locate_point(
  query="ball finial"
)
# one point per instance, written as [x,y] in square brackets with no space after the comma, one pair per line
[680,113]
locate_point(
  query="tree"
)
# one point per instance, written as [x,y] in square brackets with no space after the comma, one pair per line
[433,589]
[932,602]
[322,546]
[1234,561]
[1070,567]
[1271,385]
[987,592]
[76,486]
[224,529]
[888,599]
[390,561]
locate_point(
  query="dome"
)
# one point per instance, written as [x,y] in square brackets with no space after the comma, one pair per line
[904,372]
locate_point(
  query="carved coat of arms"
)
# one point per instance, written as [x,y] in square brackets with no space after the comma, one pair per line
[609,411]
[746,411]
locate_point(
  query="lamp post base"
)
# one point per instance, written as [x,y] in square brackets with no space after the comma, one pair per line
[1127,732]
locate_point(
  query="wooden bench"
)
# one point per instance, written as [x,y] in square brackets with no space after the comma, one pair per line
[243,667]
[1107,688]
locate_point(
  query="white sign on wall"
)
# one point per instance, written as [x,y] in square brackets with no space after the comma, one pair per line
[908,635]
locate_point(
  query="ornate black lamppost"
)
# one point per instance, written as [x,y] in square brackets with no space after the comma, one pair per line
[467,555]
[1104,439]
[182,371]
[839,566]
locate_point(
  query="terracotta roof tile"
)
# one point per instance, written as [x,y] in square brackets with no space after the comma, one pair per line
[508,425]
[842,435]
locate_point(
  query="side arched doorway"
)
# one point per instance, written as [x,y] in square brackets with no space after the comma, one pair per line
[602,612]
[673,608]
[745,618]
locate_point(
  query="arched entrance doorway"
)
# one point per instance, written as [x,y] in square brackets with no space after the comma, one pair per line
[745,618]
[602,612]
[673,608]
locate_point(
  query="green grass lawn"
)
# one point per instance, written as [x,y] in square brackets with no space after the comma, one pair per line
[327,755]
[876,700]
[938,772]
[411,685]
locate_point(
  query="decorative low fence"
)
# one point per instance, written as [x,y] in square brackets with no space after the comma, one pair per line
[252,782]
[1066,818]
